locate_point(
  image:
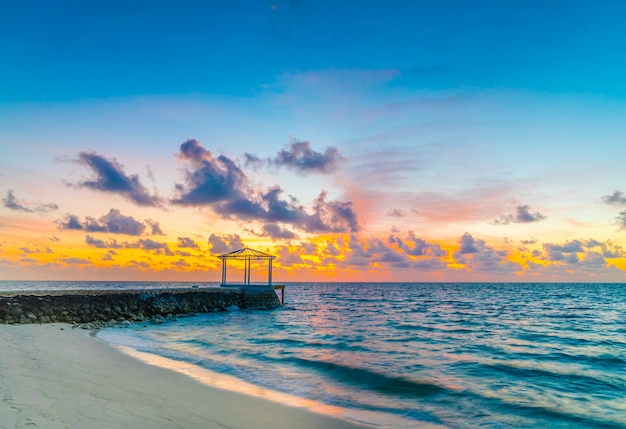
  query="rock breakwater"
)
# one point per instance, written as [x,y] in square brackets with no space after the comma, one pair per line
[113,306]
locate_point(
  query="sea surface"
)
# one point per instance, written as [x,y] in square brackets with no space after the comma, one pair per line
[405,355]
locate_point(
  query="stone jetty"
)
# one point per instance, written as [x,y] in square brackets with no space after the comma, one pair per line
[101,307]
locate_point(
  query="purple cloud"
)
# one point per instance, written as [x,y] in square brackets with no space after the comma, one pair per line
[276,232]
[300,157]
[186,242]
[522,215]
[617,198]
[620,221]
[418,247]
[113,222]
[225,244]
[479,257]
[221,184]
[12,203]
[109,177]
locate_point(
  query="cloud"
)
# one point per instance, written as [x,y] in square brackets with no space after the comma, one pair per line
[75,261]
[145,244]
[522,215]
[584,254]
[620,221]
[277,232]
[479,257]
[468,244]
[221,184]
[564,252]
[396,213]
[113,222]
[419,246]
[252,161]
[149,244]
[154,227]
[617,198]
[300,157]
[211,180]
[109,177]
[527,242]
[186,242]
[101,244]
[11,202]
[365,252]
[225,244]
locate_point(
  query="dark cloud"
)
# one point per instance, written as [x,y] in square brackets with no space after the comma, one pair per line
[583,253]
[252,161]
[617,198]
[276,232]
[109,177]
[11,202]
[300,157]
[71,222]
[527,242]
[368,251]
[620,221]
[332,216]
[113,222]
[218,182]
[522,215]
[567,252]
[149,244]
[211,180]
[186,242]
[154,227]
[225,244]
[479,257]
[101,244]
[573,246]
[468,244]
[418,247]
[145,244]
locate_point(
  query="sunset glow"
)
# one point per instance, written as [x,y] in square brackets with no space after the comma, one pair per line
[359,142]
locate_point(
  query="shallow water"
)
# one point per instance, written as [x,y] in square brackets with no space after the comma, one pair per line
[394,355]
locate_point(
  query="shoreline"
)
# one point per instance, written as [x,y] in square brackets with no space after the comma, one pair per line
[54,376]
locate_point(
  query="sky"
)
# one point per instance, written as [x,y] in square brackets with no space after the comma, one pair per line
[378,141]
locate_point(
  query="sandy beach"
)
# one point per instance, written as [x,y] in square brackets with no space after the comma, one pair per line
[53,376]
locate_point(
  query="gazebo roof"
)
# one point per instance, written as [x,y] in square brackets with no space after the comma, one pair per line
[247,253]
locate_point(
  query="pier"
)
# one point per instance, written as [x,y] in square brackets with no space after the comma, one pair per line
[247,255]
[114,306]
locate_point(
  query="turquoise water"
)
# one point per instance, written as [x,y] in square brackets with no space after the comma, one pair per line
[397,355]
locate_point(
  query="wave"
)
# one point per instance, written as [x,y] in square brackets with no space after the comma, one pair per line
[371,380]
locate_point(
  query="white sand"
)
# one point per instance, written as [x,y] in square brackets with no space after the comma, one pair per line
[53,376]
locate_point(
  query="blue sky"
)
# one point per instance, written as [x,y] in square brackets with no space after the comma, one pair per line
[419,122]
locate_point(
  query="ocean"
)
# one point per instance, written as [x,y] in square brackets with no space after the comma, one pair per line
[405,355]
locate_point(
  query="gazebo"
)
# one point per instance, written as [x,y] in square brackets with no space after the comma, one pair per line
[247,255]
